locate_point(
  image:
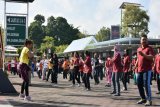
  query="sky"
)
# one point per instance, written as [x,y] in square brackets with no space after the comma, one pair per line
[88,15]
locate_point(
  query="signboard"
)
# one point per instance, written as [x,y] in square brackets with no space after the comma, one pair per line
[15,30]
[115,32]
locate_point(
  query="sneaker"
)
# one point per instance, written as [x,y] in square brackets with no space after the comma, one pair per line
[118,94]
[113,92]
[27,98]
[78,85]
[124,89]
[148,103]
[73,85]
[21,95]
[141,101]
[88,89]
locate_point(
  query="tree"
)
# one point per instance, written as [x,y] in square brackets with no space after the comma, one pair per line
[103,34]
[135,21]
[63,32]
[61,48]
[48,43]
[37,30]
[39,18]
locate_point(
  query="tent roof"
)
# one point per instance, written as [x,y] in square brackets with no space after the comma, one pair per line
[80,44]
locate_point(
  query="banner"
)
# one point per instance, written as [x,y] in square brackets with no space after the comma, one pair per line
[115,32]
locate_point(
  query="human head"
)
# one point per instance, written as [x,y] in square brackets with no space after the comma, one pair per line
[95,55]
[87,53]
[55,56]
[28,44]
[126,52]
[76,54]
[144,40]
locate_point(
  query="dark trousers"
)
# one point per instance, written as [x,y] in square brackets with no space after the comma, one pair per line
[70,75]
[100,73]
[125,79]
[158,82]
[13,70]
[55,76]
[95,74]
[116,81]
[76,75]
[49,73]
[65,72]
[144,81]
[25,86]
[86,80]
[39,74]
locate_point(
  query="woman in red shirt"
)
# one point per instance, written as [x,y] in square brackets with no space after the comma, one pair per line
[109,70]
[87,71]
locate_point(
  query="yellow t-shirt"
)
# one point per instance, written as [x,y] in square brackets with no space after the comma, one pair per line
[50,65]
[24,56]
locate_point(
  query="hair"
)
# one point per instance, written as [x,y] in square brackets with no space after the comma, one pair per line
[28,42]
[127,51]
[87,53]
[144,35]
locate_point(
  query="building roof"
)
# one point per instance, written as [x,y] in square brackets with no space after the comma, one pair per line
[80,44]
[124,4]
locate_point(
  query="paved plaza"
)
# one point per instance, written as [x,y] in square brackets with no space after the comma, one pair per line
[45,95]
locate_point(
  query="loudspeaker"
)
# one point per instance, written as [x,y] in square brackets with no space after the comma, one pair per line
[5,85]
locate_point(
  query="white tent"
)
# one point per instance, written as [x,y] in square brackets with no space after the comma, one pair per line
[10,49]
[80,44]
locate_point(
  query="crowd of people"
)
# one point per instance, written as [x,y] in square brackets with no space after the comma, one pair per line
[141,66]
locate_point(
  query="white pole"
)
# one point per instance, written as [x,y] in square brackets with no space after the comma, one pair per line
[4,44]
[27,36]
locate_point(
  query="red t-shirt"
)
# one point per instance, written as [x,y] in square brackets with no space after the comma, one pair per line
[143,63]
[88,66]
[108,63]
[126,62]
[157,63]
[133,64]
[117,63]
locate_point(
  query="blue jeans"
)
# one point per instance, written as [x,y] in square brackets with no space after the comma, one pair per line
[144,81]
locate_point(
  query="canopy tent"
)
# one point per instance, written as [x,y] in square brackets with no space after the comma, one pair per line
[80,44]
[10,49]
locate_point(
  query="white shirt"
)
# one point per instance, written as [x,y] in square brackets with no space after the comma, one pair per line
[45,63]
[13,63]
[38,66]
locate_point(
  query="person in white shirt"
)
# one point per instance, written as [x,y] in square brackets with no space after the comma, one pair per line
[45,68]
[13,66]
[38,69]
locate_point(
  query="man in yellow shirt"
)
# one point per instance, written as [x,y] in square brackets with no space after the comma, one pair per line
[50,67]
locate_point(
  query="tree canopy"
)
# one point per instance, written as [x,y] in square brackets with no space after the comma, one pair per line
[103,34]
[135,21]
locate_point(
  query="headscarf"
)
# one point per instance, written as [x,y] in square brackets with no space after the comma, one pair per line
[116,50]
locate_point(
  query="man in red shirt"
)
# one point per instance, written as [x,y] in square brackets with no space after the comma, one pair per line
[157,69]
[117,71]
[144,64]
[126,67]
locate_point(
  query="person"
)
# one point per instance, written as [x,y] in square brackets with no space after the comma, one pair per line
[100,73]
[109,69]
[55,70]
[135,71]
[32,68]
[13,67]
[157,69]
[45,67]
[76,73]
[126,69]
[24,69]
[144,62]
[96,69]
[81,67]
[87,71]
[38,69]
[71,66]
[117,71]
[50,68]
[65,68]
